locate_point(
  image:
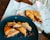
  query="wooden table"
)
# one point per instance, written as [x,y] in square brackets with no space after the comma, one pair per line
[3,6]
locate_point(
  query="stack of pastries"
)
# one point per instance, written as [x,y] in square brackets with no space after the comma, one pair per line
[12,28]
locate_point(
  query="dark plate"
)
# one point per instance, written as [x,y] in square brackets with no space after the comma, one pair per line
[34,31]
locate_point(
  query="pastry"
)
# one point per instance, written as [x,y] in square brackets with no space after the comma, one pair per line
[10,32]
[17,25]
[22,30]
[33,15]
[11,23]
[12,28]
[27,26]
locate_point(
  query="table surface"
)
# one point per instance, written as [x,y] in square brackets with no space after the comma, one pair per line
[3,6]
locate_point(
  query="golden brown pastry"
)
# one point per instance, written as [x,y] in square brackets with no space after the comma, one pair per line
[12,28]
[27,26]
[34,15]
[17,25]
[10,32]
[29,13]
[11,23]
[37,15]
[22,30]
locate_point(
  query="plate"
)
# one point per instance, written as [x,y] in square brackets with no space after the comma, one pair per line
[34,31]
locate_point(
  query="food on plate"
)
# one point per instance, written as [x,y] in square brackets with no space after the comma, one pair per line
[22,30]
[17,25]
[34,15]
[27,26]
[12,28]
[11,23]
[10,32]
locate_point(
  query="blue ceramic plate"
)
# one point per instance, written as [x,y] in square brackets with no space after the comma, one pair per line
[34,31]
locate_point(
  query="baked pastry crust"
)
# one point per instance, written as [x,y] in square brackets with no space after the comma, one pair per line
[34,15]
